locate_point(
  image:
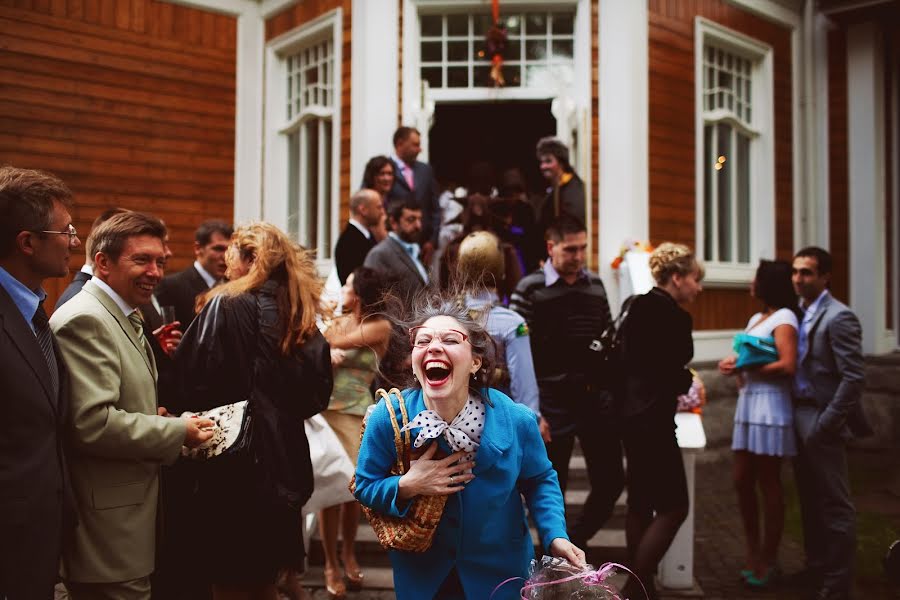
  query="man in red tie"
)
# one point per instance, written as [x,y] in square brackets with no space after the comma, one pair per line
[415,179]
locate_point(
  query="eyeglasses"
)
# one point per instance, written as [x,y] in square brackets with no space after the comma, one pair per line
[421,337]
[70,231]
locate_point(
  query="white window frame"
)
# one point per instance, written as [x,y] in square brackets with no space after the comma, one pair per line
[762,149]
[276,201]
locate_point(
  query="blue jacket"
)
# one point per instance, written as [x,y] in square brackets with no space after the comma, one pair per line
[483,531]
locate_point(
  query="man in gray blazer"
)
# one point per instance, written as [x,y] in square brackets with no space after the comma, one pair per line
[827,414]
[397,255]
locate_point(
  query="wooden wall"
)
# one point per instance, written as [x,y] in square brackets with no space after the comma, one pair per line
[295,16]
[891,70]
[594,192]
[838,193]
[671,161]
[131,102]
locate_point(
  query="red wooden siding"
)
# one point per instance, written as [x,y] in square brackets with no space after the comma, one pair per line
[671,147]
[294,17]
[131,102]
[839,235]
[594,192]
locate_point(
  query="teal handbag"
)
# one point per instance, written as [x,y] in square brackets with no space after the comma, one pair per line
[753,351]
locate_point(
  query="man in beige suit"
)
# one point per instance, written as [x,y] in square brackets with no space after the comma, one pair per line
[119,437]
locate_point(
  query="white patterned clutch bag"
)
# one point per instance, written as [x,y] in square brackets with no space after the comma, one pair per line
[230,433]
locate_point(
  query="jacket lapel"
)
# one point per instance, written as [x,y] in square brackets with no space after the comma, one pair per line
[113,309]
[496,438]
[405,258]
[814,325]
[26,342]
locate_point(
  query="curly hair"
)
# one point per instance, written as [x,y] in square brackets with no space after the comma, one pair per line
[275,256]
[669,259]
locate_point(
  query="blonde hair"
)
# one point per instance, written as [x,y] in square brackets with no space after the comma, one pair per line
[275,256]
[669,259]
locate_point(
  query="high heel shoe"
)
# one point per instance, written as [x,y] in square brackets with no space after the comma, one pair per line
[354,575]
[334,584]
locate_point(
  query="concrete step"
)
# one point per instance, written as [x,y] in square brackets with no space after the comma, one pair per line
[375,578]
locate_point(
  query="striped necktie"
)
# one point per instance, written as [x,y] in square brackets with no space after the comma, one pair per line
[45,341]
[137,321]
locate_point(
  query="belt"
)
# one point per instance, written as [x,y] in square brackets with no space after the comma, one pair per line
[805,402]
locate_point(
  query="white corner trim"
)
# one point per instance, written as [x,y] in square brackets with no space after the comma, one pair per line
[623,100]
[225,7]
[712,344]
[268,8]
[411,100]
[771,11]
[375,82]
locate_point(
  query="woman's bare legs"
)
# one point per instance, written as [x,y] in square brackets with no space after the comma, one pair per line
[745,476]
[349,524]
[769,477]
[329,521]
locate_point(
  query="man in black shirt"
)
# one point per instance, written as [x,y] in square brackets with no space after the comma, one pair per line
[566,309]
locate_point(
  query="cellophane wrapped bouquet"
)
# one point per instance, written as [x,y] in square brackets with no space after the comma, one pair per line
[557,579]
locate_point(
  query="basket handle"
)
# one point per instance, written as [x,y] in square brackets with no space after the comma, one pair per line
[399,436]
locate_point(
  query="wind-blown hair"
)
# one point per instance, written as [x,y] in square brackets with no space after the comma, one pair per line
[274,256]
[433,303]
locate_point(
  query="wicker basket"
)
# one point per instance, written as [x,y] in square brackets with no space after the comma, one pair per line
[415,531]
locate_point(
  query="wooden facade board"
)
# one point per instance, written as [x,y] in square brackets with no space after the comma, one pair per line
[130,102]
[891,70]
[838,199]
[594,192]
[672,137]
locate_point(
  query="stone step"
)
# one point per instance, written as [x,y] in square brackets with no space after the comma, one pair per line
[375,578]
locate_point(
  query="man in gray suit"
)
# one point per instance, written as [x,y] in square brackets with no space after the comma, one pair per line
[397,255]
[827,414]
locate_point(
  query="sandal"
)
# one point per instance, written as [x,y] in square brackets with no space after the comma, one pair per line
[334,584]
[763,582]
[354,575]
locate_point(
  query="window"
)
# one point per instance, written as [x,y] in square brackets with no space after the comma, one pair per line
[453,52]
[735,208]
[302,139]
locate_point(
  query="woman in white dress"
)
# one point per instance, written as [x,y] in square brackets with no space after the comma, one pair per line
[763,421]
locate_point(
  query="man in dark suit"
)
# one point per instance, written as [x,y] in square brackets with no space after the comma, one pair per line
[828,386]
[354,243]
[181,289]
[36,241]
[414,178]
[566,195]
[397,255]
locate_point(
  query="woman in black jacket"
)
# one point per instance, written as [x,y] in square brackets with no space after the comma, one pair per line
[256,338]
[658,345]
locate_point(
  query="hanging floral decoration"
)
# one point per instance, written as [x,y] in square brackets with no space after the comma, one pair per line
[495,44]
[628,246]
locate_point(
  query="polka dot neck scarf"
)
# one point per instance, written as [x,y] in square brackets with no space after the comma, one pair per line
[463,433]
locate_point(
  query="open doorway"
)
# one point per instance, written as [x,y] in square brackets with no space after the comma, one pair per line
[502,135]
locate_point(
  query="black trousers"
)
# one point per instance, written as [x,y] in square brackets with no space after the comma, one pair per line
[602,448]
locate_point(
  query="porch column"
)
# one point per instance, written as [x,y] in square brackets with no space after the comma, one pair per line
[623,121]
[374,82]
[866,182]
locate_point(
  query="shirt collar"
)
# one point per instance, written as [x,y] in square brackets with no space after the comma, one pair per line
[812,308]
[25,299]
[411,247]
[400,162]
[209,279]
[120,302]
[362,228]
[88,269]
[551,275]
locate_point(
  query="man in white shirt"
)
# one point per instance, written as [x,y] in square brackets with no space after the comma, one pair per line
[354,243]
[180,290]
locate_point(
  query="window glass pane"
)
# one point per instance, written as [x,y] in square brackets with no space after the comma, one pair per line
[709,174]
[513,50]
[535,49]
[311,163]
[457,77]
[325,244]
[458,24]
[535,24]
[482,75]
[513,75]
[458,51]
[563,49]
[294,184]
[482,23]
[742,172]
[432,52]
[433,76]
[563,24]
[432,25]
[723,191]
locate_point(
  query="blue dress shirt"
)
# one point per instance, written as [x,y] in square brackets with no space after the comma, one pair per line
[26,300]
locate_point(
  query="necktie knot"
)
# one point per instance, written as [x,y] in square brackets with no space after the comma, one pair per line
[137,321]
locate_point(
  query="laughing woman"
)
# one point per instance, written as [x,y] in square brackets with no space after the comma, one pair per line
[492,451]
